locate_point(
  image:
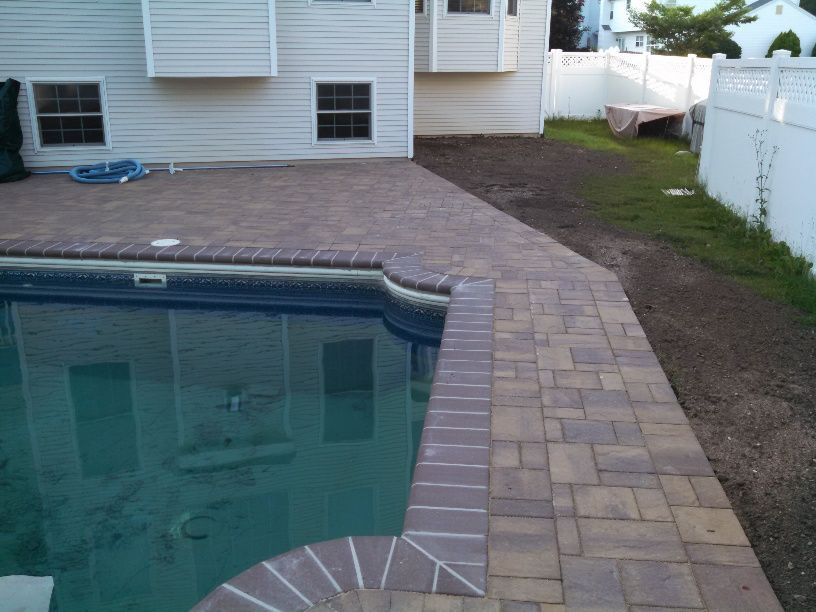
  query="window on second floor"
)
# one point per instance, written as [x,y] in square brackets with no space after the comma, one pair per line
[512,8]
[469,6]
[419,6]
[611,14]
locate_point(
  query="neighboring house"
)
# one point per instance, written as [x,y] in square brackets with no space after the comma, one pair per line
[774,16]
[207,80]
[591,12]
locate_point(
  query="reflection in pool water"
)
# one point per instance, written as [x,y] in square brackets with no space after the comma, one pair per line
[151,449]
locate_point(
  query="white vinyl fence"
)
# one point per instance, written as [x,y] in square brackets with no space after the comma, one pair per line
[771,100]
[579,84]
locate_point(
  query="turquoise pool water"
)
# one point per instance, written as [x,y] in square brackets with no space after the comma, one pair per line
[154,443]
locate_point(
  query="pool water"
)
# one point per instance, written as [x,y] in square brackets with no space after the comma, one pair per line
[154,443]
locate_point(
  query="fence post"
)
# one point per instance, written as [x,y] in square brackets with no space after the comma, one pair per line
[555,71]
[690,86]
[711,112]
[645,76]
[607,69]
[773,82]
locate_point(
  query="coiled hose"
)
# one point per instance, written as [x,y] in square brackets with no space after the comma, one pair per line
[120,171]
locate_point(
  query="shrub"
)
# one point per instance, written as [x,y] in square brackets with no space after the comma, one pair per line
[731,49]
[786,40]
[724,44]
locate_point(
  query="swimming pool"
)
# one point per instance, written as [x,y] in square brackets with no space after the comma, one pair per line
[156,442]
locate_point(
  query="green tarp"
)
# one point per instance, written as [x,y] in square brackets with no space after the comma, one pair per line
[11,135]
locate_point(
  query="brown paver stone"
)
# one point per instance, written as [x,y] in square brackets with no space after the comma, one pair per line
[722,555]
[523,547]
[645,540]
[592,585]
[678,455]
[520,483]
[572,463]
[605,502]
[525,589]
[659,584]
[709,526]
[614,458]
[653,505]
[728,588]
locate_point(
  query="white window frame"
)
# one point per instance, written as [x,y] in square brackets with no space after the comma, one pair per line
[366,3]
[35,125]
[372,81]
[640,41]
[490,13]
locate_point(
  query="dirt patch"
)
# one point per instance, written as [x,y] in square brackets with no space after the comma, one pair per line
[743,368]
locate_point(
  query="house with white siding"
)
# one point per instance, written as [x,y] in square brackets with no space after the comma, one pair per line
[263,80]
[773,17]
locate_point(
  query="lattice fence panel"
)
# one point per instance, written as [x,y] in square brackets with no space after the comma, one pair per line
[797,85]
[744,81]
[626,67]
[576,61]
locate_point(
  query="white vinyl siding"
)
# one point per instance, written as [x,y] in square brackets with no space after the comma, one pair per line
[158,120]
[422,41]
[511,42]
[467,42]
[193,38]
[497,103]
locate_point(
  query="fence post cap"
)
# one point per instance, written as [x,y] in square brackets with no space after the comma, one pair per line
[781,53]
[692,55]
[718,56]
[556,50]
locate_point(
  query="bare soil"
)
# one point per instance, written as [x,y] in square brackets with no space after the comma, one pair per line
[743,367]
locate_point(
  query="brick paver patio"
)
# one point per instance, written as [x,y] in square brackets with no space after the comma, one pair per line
[601,498]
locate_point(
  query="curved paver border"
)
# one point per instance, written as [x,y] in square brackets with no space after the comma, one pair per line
[443,547]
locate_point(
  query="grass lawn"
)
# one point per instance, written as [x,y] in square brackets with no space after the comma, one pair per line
[698,225]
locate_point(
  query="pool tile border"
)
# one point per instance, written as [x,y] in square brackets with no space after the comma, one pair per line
[443,547]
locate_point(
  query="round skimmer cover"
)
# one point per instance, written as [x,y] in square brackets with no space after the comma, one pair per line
[165,242]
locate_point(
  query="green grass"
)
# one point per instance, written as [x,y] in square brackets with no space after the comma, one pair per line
[698,225]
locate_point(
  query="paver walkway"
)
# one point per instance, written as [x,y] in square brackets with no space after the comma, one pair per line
[600,495]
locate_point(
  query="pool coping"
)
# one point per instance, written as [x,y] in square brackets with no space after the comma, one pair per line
[443,545]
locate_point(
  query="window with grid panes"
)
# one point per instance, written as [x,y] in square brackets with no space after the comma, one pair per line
[344,111]
[69,114]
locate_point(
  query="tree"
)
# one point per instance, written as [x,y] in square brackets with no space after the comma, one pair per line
[678,30]
[809,6]
[727,45]
[565,24]
[788,41]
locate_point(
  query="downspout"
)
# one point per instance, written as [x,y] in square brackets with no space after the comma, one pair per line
[411,46]
[542,105]
[432,39]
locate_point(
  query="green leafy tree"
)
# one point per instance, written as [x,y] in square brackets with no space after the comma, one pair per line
[565,24]
[788,41]
[678,30]
[809,6]
[727,45]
